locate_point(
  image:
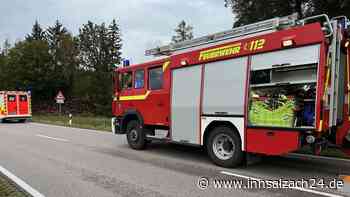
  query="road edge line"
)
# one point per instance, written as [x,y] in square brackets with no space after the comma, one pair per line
[33,192]
[295,188]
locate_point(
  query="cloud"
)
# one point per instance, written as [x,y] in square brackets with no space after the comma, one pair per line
[143,23]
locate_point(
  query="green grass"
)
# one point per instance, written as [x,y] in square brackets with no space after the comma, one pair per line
[78,121]
[9,189]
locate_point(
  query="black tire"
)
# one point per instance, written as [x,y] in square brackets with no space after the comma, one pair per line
[135,135]
[233,144]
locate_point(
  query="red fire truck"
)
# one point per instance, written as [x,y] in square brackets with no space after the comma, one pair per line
[15,105]
[267,88]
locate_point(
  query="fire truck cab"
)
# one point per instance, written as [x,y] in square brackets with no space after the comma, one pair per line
[15,105]
[267,88]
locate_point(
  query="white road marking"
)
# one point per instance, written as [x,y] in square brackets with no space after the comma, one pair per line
[295,188]
[33,192]
[52,138]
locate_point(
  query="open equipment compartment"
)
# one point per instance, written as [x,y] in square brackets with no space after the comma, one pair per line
[283,86]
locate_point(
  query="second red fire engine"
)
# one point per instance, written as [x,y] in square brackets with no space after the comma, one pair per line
[15,105]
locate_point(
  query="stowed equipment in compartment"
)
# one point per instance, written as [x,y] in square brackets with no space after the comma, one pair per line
[283,106]
[283,88]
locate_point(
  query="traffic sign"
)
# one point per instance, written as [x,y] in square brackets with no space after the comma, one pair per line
[60,98]
[60,95]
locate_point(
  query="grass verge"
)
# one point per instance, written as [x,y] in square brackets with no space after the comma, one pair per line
[9,189]
[78,121]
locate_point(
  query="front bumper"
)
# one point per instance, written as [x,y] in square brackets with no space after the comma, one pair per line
[16,117]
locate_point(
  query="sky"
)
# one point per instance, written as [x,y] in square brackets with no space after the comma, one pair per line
[144,23]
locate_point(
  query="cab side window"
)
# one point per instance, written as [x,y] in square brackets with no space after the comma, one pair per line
[155,76]
[23,98]
[139,79]
[11,98]
[125,80]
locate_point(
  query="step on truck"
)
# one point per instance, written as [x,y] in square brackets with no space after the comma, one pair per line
[15,106]
[268,88]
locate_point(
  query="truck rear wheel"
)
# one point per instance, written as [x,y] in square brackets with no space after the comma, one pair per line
[224,147]
[135,135]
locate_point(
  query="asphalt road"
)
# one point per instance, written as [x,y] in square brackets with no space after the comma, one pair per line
[64,162]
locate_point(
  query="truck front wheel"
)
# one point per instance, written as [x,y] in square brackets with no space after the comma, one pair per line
[224,147]
[135,135]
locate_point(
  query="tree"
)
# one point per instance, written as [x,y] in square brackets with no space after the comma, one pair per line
[55,33]
[100,48]
[52,60]
[6,47]
[28,66]
[250,11]
[114,37]
[183,32]
[3,65]
[331,7]
[67,61]
[37,33]
[64,52]
[89,46]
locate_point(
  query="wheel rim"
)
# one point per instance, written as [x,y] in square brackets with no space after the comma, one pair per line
[133,135]
[223,146]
